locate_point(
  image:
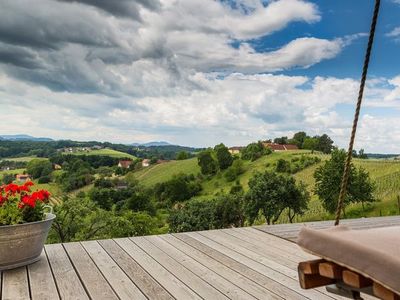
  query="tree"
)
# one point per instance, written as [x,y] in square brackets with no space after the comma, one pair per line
[81,219]
[362,155]
[325,144]
[282,166]
[235,170]
[179,188]
[328,179]
[254,151]
[207,163]
[224,158]
[229,211]
[271,193]
[8,178]
[298,139]
[281,140]
[182,155]
[196,214]
[310,143]
[297,203]
[39,167]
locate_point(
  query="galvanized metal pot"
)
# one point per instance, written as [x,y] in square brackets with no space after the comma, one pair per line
[22,244]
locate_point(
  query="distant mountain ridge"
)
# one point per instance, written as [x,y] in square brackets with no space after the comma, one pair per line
[23,137]
[153,144]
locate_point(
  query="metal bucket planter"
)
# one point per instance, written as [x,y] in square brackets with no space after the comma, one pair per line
[22,244]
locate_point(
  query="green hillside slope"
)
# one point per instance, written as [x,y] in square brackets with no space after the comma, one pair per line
[162,172]
[384,174]
[105,152]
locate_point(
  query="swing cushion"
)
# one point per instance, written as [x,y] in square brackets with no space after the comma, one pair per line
[373,253]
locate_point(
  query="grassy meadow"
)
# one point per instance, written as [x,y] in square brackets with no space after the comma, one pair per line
[162,172]
[104,152]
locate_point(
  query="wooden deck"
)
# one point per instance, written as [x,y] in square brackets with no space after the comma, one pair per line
[240,263]
[291,231]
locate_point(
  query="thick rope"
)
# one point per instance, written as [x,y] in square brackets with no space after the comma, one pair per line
[346,173]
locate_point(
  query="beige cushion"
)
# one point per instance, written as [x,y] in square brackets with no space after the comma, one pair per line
[374,253]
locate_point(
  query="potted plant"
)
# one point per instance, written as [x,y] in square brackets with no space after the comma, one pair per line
[24,225]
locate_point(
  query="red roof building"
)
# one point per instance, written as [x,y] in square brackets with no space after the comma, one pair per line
[279,147]
[125,164]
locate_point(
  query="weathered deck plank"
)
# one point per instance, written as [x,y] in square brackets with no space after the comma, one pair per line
[67,281]
[236,263]
[40,280]
[251,286]
[178,289]
[15,284]
[117,278]
[198,285]
[228,288]
[96,285]
[151,288]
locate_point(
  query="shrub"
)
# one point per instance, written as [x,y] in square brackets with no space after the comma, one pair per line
[44,179]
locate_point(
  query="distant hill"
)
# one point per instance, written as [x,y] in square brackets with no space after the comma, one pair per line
[152,144]
[24,137]
[384,156]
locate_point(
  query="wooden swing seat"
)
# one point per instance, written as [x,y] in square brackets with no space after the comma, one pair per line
[352,260]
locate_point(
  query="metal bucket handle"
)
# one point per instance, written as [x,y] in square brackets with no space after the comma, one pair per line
[48,207]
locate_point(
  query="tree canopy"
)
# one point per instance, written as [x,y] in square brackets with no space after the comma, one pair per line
[328,179]
[271,193]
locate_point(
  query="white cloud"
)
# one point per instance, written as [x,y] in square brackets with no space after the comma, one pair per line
[395,33]
[72,46]
[235,109]
[169,71]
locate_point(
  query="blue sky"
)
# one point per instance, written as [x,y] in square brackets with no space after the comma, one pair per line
[197,72]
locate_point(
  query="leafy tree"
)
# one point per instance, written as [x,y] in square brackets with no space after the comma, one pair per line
[271,193]
[254,151]
[282,166]
[179,188]
[224,157]
[39,167]
[8,178]
[196,214]
[229,211]
[235,170]
[328,179]
[325,144]
[182,155]
[362,155]
[207,163]
[281,140]
[298,139]
[297,203]
[81,219]
[45,179]
[310,143]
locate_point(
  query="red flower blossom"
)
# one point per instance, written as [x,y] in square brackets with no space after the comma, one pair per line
[25,199]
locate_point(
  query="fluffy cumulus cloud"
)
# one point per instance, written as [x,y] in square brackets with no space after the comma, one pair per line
[177,70]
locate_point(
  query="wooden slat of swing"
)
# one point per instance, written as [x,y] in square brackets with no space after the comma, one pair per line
[383,293]
[356,280]
[319,272]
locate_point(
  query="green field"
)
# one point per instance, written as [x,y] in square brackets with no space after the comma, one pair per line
[23,158]
[14,172]
[165,171]
[105,152]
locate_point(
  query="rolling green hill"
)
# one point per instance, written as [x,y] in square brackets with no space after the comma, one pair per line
[104,152]
[384,174]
